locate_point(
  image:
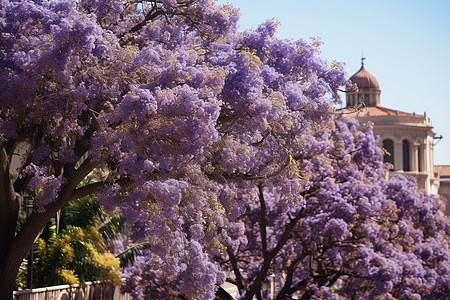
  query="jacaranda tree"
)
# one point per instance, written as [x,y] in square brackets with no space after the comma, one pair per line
[221,149]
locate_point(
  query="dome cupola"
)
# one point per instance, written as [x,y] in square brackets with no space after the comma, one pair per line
[368,92]
[365,80]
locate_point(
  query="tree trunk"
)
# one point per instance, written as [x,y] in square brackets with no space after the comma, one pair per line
[20,245]
[9,212]
[8,282]
[8,271]
[14,247]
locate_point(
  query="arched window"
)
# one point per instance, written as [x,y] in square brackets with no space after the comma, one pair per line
[406,156]
[388,147]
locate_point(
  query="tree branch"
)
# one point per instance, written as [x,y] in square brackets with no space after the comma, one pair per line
[235,266]
[222,294]
[334,279]
[255,177]
[262,219]
[286,290]
[87,190]
[151,15]
[256,285]
[6,187]
[289,227]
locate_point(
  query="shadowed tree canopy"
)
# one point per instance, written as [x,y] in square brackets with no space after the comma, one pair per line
[220,147]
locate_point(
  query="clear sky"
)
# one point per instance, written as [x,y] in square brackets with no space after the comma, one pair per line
[406,44]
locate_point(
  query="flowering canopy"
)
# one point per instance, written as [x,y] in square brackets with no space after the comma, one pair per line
[219,147]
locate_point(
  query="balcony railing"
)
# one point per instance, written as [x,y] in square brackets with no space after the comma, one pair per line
[96,290]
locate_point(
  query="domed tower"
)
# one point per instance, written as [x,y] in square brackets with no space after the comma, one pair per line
[368,92]
[407,138]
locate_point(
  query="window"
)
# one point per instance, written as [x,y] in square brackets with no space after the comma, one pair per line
[406,156]
[388,148]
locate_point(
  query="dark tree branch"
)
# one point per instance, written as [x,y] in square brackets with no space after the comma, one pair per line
[267,259]
[258,143]
[262,219]
[258,296]
[289,227]
[222,294]
[351,110]
[157,11]
[151,15]
[255,177]
[286,290]
[235,266]
[6,187]
[334,279]
[95,187]
[87,190]
[83,145]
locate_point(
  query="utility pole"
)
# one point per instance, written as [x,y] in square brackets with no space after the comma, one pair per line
[272,286]
[29,209]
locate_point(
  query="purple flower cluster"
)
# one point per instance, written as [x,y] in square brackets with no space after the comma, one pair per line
[44,184]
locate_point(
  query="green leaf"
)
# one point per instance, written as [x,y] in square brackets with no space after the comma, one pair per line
[129,255]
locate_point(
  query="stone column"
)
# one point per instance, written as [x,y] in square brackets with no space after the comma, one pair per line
[415,157]
[398,156]
[427,156]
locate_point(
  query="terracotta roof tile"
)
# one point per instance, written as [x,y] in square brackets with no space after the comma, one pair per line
[443,170]
[375,111]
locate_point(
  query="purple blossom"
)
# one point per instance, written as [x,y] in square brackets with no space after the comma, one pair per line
[45,185]
[66,154]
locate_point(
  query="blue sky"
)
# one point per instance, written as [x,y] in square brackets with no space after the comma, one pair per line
[406,45]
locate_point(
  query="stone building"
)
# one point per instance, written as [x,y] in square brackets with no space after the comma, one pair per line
[407,138]
[443,172]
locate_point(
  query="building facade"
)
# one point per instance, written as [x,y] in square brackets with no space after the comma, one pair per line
[443,172]
[407,138]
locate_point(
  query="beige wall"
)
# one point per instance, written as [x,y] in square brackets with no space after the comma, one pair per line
[444,190]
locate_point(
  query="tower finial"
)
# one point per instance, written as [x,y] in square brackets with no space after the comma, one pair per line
[362,60]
